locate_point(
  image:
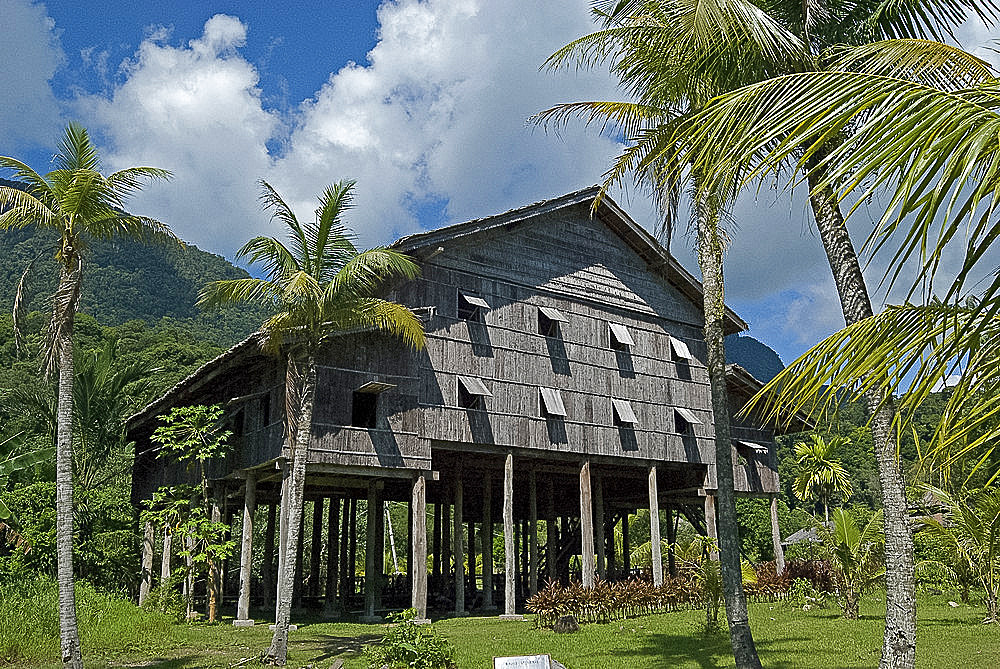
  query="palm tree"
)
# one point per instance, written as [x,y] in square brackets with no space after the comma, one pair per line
[318,286]
[820,473]
[674,57]
[78,203]
[856,555]
[826,29]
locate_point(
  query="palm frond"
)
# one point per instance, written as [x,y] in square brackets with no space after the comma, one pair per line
[18,312]
[367,273]
[277,260]
[23,209]
[272,202]
[922,61]
[132,179]
[249,291]
[76,151]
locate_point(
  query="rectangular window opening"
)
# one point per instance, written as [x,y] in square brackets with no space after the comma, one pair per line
[549,320]
[621,339]
[472,393]
[364,409]
[623,413]
[680,351]
[686,420]
[472,307]
[552,403]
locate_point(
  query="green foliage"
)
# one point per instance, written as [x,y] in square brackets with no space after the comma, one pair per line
[29,622]
[856,553]
[192,434]
[820,474]
[805,595]
[406,644]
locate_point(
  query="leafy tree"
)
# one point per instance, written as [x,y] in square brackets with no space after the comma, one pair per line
[78,203]
[191,435]
[820,473]
[8,465]
[856,554]
[317,286]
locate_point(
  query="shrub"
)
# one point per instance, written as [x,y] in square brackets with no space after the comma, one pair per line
[407,644]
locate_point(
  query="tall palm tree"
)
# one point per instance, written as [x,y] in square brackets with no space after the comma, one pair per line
[673,57]
[318,286]
[78,203]
[870,37]
[820,473]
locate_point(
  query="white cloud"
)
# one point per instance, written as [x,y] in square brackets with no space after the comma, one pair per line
[435,118]
[194,110]
[30,53]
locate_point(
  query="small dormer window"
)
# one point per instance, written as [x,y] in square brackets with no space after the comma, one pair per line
[623,414]
[621,338]
[686,420]
[472,393]
[471,307]
[750,450]
[552,403]
[549,320]
[679,351]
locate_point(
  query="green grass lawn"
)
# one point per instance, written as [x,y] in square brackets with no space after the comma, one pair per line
[786,638]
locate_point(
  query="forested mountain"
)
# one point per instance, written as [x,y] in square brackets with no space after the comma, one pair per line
[125,281]
[754,356]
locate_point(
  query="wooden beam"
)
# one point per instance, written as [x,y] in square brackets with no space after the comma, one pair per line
[487,542]
[599,534]
[332,553]
[586,527]
[246,552]
[510,558]
[626,546]
[654,529]
[551,545]
[458,549]
[146,577]
[779,553]
[372,554]
[710,526]
[436,548]
[533,534]
[418,541]
[316,548]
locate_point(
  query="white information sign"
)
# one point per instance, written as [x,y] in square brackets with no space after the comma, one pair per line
[522,662]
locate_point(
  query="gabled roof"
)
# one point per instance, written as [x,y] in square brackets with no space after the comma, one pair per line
[606,210]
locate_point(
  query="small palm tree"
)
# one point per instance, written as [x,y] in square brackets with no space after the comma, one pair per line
[820,473]
[318,286]
[970,528]
[78,203]
[856,554]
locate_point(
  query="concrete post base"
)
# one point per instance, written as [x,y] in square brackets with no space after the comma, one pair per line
[291,628]
[243,623]
[511,616]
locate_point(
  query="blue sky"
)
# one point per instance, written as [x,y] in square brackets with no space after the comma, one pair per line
[424,102]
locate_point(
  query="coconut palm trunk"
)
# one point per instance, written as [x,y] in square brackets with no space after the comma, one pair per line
[899,643]
[710,261]
[301,383]
[65,305]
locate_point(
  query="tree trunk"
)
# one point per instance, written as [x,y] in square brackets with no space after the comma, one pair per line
[900,641]
[710,260]
[302,383]
[69,637]
[779,553]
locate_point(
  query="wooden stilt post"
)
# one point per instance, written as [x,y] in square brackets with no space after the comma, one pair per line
[316,548]
[446,541]
[586,527]
[654,529]
[626,546]
[710,526]
[599,534]
[472,564]
[551,543]
[332,555]
[418,542]
[346,559]
[243,618]
[458,548]
[510,558]
[146,577]
[779,553]
[672,515]
[436,548]
[267,568]
[488,543]
[533,534]
[168,540]
[214,574]
[352,564]
[374,552]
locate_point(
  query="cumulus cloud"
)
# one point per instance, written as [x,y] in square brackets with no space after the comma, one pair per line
[30,53]
[432,126]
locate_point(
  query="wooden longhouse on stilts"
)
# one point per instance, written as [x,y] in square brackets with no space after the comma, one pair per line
[563,387]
